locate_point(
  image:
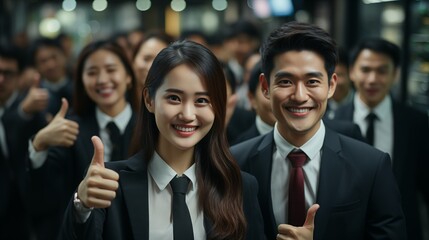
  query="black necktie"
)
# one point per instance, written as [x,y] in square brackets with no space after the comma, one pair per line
[370,118]
[182,224]
[296,209]
[116,140]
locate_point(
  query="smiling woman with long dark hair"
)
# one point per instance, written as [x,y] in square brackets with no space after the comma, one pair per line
[181,135]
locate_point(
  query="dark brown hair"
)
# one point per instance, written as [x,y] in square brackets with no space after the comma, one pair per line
[218,175]
[82,103]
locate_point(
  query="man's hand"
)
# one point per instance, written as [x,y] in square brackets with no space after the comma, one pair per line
[98,188]
[305,232]
[37,98]
[59,132]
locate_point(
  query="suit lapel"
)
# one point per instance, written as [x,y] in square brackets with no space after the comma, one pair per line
[345,112]
[135,186]
[261,169]
[330,172]
[128,134]
[400,133]
[88,127]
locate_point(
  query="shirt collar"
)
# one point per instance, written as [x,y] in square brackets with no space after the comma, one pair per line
[262,126]
[311,148]
[121,120]
[55,86]
[381,110]
[162,173]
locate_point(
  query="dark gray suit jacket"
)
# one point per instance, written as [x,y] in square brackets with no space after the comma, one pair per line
[410,159]
[357,193]
[128,216]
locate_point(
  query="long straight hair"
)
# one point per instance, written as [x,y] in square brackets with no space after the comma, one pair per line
[220,190]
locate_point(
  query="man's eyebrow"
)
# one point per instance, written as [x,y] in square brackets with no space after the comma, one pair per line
[315,74]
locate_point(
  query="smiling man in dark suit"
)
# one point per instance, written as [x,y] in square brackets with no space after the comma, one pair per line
[351,181]
[398,129]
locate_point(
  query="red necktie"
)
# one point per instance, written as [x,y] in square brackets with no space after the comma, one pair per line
[296,210]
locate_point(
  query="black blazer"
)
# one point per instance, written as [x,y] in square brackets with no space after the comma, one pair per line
[241,120]
[13,179]
[128,216]
[248,134]
[54,182]
[357,193]
[410,159]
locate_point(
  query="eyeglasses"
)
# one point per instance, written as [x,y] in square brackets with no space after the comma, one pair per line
[8,74]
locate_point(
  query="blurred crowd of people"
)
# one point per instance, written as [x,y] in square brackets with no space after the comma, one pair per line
[52,102]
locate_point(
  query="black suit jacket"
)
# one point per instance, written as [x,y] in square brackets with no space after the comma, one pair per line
[241,120]
[13,187]
[357,193]
[410,158]
[54,182]
[248,134]
[128,216]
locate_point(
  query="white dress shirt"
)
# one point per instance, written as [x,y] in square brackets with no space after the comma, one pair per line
[160,201]
[121,120]
[281,167]
[262,126]
[383,127]
[38,158]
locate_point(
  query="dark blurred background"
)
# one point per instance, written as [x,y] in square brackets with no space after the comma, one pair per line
[405,22]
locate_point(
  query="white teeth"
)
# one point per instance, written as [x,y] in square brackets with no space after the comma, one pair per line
[185,129]
[299,110]
[105,90]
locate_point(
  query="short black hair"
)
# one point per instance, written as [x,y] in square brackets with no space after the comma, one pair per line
[299,36]
[242,27]
[231,80]
[12,52]
[254,77]
[343,56]
[43,42]
[378,45]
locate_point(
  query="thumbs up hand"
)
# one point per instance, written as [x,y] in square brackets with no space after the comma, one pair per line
[37,98]
[59,132]
[99,186]
[305,232]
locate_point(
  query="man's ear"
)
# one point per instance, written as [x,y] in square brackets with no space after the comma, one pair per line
[265,88]
[148,101]
[332,85]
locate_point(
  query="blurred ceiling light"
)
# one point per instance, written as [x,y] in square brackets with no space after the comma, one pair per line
[210,21]
[178,5]
[69,5]
[99,5]
[143,5]
[66,19]
[302,16]
[49,27]
[219,5]
[260,7]
[377,1]
[393,15]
